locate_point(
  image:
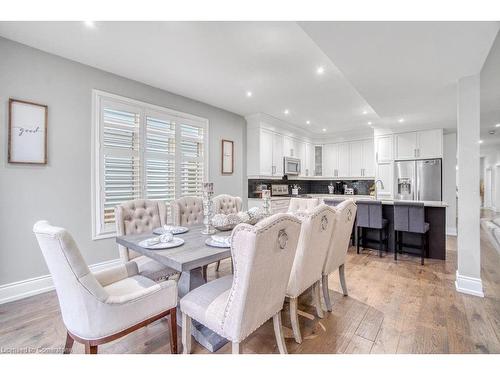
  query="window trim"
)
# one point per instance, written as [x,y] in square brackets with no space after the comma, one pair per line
[96,162]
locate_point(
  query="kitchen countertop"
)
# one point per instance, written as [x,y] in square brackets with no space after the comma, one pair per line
[359,197]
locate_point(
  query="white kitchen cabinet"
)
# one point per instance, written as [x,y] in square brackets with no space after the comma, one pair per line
[308,167]
[343,160]
[405,146]
[356,159]
[288,147]
[384,148]
[266,152]
[277,167]
[300,153]
[331,160]
[424,144]
[384,173]
[430,144]
[368,158]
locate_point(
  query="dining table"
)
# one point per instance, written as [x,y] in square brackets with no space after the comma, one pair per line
[188,259]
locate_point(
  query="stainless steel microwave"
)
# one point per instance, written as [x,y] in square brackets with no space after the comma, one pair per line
[291,166]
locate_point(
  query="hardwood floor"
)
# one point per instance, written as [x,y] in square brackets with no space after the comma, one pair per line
[392,307]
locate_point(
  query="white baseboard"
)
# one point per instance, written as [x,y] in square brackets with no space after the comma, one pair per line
[451,231]
[469,285]
[30,287]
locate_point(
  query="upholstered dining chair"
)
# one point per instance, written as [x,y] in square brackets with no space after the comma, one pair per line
[187,211]
[103,306]
[226,204]
[314,242]
[335,259]
[142,216]
[302,204]
[234,306]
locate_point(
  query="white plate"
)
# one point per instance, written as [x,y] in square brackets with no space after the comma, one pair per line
[213,243]
[174,230]
[162,245]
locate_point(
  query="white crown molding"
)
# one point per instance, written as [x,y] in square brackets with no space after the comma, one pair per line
[469,285]
[37,285]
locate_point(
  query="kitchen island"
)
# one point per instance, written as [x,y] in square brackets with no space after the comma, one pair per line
[435,215]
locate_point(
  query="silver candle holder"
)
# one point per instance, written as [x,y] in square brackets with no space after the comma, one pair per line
[266,196]
[208,192]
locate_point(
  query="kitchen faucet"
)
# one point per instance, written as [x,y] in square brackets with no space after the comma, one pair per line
[376,190]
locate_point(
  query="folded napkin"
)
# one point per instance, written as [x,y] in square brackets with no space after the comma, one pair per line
[221,239]
[156,240]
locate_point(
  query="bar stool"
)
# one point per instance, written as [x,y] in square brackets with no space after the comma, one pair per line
[410,217]
[369,216]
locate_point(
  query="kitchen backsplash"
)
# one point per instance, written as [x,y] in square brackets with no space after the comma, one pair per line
[361,187]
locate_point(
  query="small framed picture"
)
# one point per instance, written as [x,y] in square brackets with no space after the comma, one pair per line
[227,157]
[27,132]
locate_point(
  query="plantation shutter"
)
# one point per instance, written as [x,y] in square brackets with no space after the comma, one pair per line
[192,168]
[120,156]
[143,152]
[159,158]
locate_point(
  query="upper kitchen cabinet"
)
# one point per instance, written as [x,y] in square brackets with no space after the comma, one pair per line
[405,145]
[362,159]
[308,168]
[368,158]
[430,144]
[356,159]
[384,148]
[425,144]
[264,153]
[330,160]
[344,156]
[266,166]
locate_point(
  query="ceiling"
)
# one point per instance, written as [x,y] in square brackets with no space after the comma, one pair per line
[490,96]
[376,72]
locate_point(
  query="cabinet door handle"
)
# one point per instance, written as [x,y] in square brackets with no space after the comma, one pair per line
[376,156]
[274,170]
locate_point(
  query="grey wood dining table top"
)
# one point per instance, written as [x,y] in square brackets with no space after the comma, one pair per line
[192,254]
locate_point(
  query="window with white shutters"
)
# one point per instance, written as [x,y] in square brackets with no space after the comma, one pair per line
[143,151]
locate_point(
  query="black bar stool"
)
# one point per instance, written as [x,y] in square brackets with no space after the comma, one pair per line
[410,217]
[369,216]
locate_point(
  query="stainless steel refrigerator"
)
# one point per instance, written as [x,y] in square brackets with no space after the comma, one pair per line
[418,180]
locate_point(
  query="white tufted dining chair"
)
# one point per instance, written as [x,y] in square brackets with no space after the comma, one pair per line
[100,307]
[226,204]
[234,306]
[314,241]
[187,211]
[335,259]
[142,216]
[302,204]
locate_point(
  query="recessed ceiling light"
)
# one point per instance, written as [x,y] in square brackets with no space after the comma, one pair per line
[89,24]
[480,141]
[320,70]
[369,122]
[401,120]
[308,122]
[365,112]
[286,111]
[324,129]
[249,94]
[497,126]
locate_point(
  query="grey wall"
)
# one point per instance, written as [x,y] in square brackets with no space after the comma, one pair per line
[61,192]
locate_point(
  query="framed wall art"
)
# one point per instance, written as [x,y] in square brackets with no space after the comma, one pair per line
[27,132]
[227,157]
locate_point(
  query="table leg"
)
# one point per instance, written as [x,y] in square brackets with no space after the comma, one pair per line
[188,281]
